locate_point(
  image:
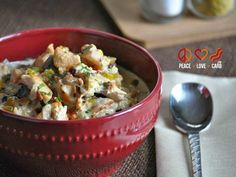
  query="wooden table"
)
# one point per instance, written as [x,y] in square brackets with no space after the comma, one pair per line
[20,15]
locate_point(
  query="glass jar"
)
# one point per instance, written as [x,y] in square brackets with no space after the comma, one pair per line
[162,11]
[211,8]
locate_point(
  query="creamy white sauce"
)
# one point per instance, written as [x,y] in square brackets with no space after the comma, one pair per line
[129,77]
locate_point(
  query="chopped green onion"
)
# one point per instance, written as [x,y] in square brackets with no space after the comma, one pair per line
[33,70]
[84,69]
[41,86]
[58,99]
[110,76]
[49,73]
[46,93]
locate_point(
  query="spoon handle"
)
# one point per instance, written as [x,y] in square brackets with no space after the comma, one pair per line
[194,143]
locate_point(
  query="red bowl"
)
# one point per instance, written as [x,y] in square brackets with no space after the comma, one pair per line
[92,147]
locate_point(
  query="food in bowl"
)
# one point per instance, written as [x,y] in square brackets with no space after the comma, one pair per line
[93,147]
[62,85]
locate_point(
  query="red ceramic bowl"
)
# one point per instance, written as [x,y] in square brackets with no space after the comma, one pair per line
[93,147]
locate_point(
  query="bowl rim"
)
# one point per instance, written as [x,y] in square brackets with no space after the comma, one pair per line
[94,32]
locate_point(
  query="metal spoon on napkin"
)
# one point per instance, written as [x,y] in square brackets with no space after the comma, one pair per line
[191,107]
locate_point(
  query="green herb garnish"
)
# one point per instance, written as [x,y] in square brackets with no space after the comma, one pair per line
[48,73]
[41,86]
[33,70]
[46,93]
[84,69]
[88,111]
[58,99]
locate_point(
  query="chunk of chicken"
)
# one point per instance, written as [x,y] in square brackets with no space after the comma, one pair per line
[44,56]
[16,74]
[114,92]
[92,56]
[39,90]
[46,112]
[68,94]
[93,83]
[95,107]
[59,111]
[67,89]
[82,70]
[64,59]
[54,111]
[103,106]
[4,70]
[81,103]
[71,80]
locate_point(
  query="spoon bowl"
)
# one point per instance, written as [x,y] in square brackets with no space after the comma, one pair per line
[191,107]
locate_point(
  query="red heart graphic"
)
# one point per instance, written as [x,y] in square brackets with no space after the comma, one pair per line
[201,54]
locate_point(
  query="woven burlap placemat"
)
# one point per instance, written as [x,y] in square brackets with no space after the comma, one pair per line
[20,15]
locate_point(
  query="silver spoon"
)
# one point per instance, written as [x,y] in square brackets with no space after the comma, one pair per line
[191,107]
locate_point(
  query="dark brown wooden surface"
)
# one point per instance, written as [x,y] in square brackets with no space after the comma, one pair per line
[20,15]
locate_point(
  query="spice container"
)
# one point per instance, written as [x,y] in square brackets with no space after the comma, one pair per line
[211,8]
[162,11]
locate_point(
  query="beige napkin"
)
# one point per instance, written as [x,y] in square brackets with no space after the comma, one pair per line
[218,143]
